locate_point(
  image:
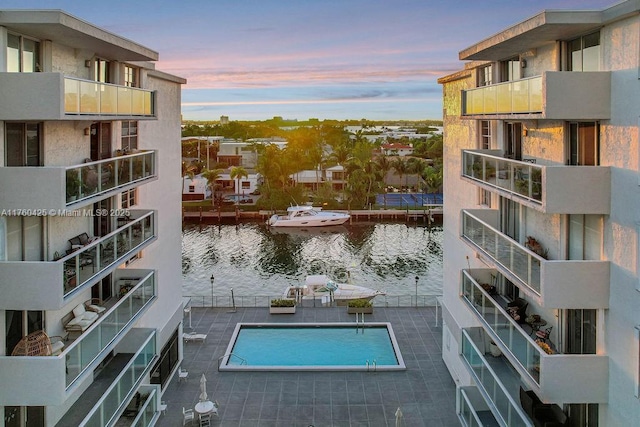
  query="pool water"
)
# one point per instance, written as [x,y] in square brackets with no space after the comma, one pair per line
[313,347]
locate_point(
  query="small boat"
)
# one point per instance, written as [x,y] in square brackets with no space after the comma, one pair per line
[320,286]
[307,216]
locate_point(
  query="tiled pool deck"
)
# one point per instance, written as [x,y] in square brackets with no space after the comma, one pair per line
[425,392]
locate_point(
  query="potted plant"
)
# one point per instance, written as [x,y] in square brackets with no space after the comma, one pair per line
[494,350]
[73,185]
[359,306]
[282,306]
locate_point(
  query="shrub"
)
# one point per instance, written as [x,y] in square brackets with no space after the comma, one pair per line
[359,303]
[283,303]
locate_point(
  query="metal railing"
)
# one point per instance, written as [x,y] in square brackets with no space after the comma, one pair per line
[255,301]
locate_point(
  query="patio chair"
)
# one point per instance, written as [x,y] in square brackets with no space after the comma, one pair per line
[205,420]
[543,335]
[187,416]
[38,343]
[194,337]
[182,375]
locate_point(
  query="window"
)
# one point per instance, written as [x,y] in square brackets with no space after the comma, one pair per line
[20,324]
[129,198]
[584,144]
[485,75]
[510,70]
[513,141]
[169,358]
[101,71]
[192,188]
[585,237]
[130,76]
[485,197]
[23,54]
[485,135]
[584,53]
[22,144]
[246,185]
[129,138]
[24,236]
[581,331]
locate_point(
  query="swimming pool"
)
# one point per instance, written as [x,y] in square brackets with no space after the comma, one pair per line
[312,347]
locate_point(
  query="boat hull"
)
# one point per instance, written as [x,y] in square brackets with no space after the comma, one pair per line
[316,222]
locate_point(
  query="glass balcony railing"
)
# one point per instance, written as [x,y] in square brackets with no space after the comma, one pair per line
[122,389]
[521,346]
[148,413]
[521,178]
[82,265]
[96,98]
[506,407]
[469,413]
[96,178]
[513,257]
[519,96]
[83,351]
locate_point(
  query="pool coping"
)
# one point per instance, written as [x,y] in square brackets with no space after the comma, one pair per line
[224,360]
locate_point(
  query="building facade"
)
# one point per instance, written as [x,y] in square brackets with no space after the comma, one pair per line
[542,223]
[90,306]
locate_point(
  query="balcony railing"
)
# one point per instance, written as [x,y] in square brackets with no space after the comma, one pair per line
[123,388]
[550,189]
[88,97]
[81,266]
[492,386]
[558,95]
[471,405]
[111,325]
[513,257]
[97,178]
[521,346]
[520,178]
[148,413]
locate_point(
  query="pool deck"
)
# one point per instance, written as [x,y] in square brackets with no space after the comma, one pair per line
[425,392]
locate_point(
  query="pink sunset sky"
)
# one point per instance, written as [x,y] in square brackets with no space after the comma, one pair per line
[326,59]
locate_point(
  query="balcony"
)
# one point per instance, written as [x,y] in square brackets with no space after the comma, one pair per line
[498,384]
[49,372]
[473,411]
[555,374]
[558,95]
[148,411]
[549,189]
[77,271]
[116,384]
[61,189]
[53,96]
[553,283]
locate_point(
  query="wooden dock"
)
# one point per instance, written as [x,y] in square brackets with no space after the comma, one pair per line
[428,215]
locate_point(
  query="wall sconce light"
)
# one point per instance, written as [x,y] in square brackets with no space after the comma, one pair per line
[523,63]
[87,63]
[525,132]
[87,131]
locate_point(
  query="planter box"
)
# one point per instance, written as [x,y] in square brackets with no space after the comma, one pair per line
[363,310]
[282,310]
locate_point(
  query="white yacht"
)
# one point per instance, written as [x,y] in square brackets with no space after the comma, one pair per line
[307,216]
[320,286]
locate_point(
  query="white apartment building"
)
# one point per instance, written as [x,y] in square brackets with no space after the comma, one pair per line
[542,222]
[90,295]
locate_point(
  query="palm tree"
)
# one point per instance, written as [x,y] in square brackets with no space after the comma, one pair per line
[212,176]
[237,173]
[400,166]
[188,171]
[384,166]
[415,166]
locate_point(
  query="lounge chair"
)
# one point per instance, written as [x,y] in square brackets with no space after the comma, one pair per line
[82,319]
[194,337]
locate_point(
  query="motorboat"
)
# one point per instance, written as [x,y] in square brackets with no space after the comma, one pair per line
[320,286]
[308,216]
[310,231]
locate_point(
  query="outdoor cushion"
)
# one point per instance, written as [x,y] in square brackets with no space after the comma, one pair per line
[79,311]
[74,321]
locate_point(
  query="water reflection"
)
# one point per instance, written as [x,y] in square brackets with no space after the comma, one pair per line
[255,260]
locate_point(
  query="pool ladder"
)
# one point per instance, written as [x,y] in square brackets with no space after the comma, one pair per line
[359,322]
[230,355]
[373,366]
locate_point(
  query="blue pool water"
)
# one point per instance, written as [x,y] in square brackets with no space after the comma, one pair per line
[314,346]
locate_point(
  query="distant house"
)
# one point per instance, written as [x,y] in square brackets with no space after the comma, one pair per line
[311,179]
[195,189]
[397,149]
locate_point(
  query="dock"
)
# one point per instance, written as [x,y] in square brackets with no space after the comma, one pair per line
[428,215]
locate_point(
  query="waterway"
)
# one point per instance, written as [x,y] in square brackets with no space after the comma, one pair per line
[255,260]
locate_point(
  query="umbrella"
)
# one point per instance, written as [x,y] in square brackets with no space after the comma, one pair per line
[203,389]
[398,417]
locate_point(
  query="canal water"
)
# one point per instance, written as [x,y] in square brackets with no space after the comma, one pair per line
[255,260]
